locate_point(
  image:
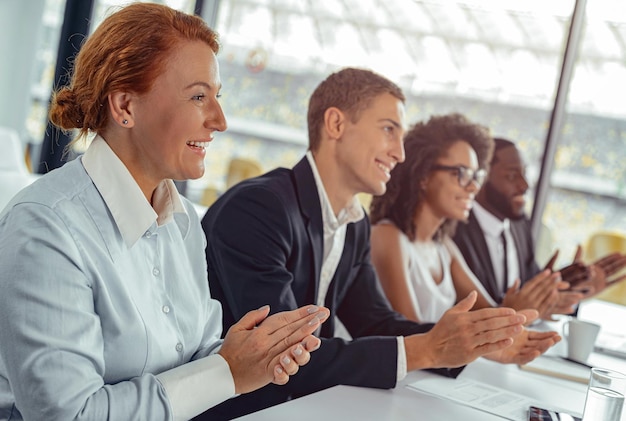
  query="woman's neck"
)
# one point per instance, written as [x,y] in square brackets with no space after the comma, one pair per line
[426,224]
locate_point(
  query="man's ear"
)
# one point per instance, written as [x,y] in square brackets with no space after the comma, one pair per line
[121,107]
[334,122]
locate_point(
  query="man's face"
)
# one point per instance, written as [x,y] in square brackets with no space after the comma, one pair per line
[504,192]
[372,146]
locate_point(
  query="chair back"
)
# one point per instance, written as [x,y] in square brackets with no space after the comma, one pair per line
[241,169]
[12,158]
[14,174]
[604,242]
[600,244]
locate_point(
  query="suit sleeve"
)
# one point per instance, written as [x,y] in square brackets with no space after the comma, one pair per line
[249,239]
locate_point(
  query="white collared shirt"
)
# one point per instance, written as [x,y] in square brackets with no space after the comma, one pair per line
[334,241]
[105,306]
[130,209]
[334,232]
[493,228]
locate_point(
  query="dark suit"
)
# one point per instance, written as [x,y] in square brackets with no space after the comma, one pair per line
[265,240]
[470,239]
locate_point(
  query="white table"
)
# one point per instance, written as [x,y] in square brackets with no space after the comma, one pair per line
[403,403]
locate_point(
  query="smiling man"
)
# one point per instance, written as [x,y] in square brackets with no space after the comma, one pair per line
[496,242]
[300,235]
[498,218]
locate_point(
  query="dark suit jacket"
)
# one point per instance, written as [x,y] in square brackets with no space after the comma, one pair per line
[265,239]
[470,239]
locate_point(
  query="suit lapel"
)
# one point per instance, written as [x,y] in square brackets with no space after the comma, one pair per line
[478,239]
[521,246]
[310,208]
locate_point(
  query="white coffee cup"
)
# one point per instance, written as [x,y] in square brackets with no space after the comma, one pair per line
[581,336]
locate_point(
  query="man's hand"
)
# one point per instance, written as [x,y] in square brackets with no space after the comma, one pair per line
[580,279]
[526,347]
[576,272]
[611,263]
[462,335]
[567,302]
[599,274]
[602,269]
[541,293]
[552,261]
[261,349]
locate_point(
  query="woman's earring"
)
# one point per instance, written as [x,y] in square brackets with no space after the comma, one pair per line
[124,121]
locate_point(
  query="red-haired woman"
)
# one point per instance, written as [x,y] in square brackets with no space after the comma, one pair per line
[105,311]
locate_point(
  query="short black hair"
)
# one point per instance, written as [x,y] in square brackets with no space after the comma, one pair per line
[499,144]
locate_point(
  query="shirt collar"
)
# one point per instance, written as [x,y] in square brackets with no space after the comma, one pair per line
[132,213]
[351,213]
[489,222]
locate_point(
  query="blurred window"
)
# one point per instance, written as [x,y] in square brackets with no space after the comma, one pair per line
[588,185]
[496,61]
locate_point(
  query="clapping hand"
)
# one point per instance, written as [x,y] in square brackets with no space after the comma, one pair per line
[261,349]
[527,346]
[541,293]
[605,267]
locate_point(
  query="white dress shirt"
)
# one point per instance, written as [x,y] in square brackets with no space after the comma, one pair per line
[493,228]
[105,311]
[334,241]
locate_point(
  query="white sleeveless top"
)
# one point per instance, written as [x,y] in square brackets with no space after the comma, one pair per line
[430,300]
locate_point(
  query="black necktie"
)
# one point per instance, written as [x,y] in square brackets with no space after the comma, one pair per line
[506,262]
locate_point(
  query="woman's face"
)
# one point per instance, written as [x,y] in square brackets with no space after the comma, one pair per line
[174,122]
[444,194]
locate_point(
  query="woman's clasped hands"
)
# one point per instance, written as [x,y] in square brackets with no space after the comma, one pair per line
[261,349]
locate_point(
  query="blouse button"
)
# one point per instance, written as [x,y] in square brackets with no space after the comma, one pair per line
[166,309]
[179,347]
[156,271]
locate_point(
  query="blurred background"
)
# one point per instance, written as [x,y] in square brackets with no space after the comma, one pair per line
[549,75]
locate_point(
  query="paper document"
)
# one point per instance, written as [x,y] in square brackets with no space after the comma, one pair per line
[477,395]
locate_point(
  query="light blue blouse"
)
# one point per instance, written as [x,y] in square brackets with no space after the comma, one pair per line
[99,294]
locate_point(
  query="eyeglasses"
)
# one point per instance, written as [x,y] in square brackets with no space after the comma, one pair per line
[465,175]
